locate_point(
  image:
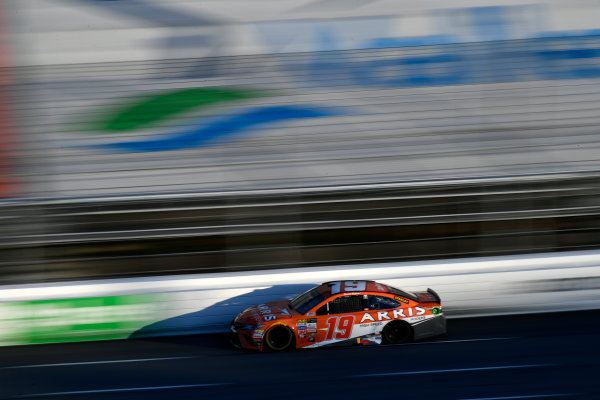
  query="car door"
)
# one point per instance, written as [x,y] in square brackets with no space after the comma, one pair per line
[335,320]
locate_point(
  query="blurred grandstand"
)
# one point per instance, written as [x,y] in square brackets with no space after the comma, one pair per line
[48,241]
[147,139]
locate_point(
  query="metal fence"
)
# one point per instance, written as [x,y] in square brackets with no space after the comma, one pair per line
[46,241]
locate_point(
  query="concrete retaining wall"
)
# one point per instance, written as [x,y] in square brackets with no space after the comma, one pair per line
[187,304]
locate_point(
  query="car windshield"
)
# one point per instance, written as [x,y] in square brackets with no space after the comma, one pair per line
[306,301]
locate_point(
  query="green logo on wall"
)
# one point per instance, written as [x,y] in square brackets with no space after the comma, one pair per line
[179,119]
[70,320]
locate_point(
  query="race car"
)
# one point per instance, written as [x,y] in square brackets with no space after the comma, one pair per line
[341,312]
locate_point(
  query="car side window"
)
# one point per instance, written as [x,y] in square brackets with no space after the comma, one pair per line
[344,304]
[381,303]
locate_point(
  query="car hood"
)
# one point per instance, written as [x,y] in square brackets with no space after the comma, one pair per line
[259,314]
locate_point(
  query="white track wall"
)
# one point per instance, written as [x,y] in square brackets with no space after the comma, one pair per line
[205,303]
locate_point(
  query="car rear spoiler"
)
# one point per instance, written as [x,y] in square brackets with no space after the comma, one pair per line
[434,294]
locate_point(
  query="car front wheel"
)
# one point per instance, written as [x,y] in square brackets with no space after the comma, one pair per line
[279,338]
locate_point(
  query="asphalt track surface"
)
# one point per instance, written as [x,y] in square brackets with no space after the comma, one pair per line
[542,356]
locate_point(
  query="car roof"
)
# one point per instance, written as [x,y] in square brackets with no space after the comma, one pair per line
[334,287]
[328,289]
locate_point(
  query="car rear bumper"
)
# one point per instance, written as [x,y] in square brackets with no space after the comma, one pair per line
[429,327]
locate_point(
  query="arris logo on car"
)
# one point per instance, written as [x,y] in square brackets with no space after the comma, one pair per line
[188,118]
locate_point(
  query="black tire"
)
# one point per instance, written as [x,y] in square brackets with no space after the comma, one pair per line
[279,338]
[397,332]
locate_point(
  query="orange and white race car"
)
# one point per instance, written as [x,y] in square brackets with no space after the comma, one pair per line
[358,312]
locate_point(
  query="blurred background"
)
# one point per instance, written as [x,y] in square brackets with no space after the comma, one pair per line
[149,137]
[164,164]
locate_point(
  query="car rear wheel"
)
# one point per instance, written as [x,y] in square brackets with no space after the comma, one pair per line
[279,338]
[397,332]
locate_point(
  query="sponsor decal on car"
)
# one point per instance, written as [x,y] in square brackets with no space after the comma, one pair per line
[369,339]
[284,311]
[258,334]
[264,309]
[401,299]
[394,314]
[436,310]
[266,312]
[367,324]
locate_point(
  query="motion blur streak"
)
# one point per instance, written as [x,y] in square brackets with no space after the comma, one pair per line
[441,371]
[182,137]
[566,357]
[94,362]
[7,157]
[164,164]
[533,396]
[265,230]
[431,92]
[117,390]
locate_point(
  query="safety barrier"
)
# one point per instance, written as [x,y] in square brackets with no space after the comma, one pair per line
[189,304]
